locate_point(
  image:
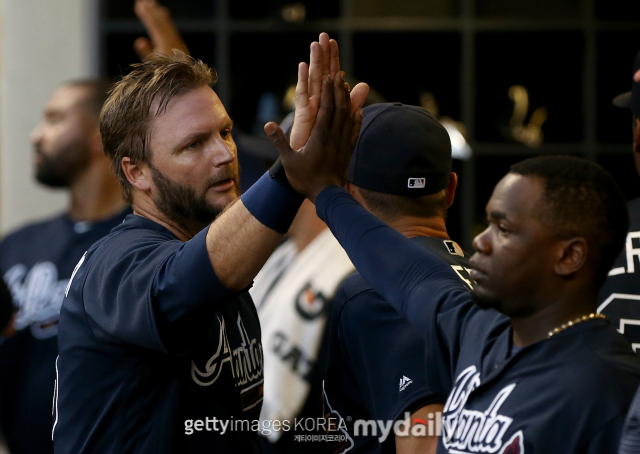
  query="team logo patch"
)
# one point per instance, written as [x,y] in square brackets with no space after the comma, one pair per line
[404,382]
[417,183]
[453,248]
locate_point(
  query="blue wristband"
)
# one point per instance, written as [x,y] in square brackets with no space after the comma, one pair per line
[271,204]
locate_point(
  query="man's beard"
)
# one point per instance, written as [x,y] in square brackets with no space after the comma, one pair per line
[183,204]
[61,171]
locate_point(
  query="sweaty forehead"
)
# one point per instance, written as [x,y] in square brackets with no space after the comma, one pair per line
[191,103]
[517,197]
[195,111]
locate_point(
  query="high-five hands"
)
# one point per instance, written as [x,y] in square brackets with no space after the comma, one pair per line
[324,60]
[324,159]
[160,28]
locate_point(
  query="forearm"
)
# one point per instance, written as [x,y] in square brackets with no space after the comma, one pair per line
[241,240]
[426,443]
[239,245]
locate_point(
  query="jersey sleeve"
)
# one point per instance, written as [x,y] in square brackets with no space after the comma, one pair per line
[153,293]
[406,275]
[386,355]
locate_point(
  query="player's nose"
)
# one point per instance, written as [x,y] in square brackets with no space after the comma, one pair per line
[223,153]
[481,243]
[36,135]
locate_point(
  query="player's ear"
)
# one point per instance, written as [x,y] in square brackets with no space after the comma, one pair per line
[138,174]
[349,187]
[355,192]
[571,256]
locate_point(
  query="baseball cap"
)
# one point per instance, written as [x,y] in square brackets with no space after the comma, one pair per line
[401,150]
[631,99]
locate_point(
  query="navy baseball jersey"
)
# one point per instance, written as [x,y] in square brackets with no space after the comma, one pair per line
[620,296]
[37,262]
[376,364]
[565,394]
[156,356]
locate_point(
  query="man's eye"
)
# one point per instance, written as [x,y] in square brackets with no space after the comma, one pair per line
[502,228]
[53,119]
[193,145]
[226,133]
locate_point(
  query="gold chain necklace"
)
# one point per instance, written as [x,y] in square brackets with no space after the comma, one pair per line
[571,323]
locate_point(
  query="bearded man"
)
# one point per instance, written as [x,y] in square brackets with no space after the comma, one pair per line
[159,340]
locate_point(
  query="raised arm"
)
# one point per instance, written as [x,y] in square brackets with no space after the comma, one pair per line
[163,34]
[244,236]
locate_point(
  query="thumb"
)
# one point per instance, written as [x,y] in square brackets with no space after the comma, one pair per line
[278,139]
[359,96]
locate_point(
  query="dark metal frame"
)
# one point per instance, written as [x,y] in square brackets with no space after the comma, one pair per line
[467,24]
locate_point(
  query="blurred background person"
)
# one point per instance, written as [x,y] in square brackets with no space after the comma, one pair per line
[620,296]
[293,294]
[37,260]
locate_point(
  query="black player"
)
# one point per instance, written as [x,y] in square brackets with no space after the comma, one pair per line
[620,295]
[531,366]
[401,172]
[159,342]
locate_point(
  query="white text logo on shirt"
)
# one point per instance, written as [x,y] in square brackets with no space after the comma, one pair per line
[471,431]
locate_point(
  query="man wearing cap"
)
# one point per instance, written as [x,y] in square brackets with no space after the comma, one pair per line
[401,172]
[620,296]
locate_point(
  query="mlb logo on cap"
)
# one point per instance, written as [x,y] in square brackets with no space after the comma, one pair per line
[417,183]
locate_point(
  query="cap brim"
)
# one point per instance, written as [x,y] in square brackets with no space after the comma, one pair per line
[623,100]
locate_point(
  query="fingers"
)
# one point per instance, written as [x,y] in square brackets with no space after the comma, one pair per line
[325,44]
[334,66]
[357,124]
[347,97]
[315,70]
[359,96]
[278,139]
[325,113]
[341,114]
[302,87]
